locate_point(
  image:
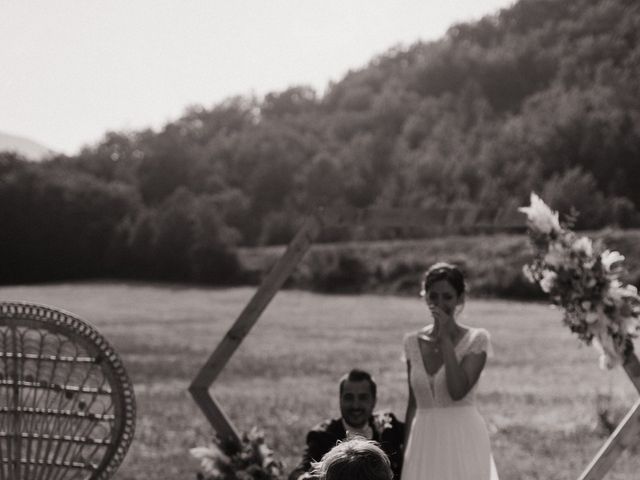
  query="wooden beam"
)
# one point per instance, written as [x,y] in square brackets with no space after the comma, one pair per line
[245,321]
[216,417]
[624,436]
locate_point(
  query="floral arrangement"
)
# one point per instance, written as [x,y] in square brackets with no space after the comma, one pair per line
[226,460]
[383,421]
[582,277]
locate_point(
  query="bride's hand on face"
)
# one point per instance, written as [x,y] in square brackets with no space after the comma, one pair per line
[444,320]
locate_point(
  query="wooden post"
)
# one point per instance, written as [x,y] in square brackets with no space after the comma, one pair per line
[241,327]
[626,434]
[215,415]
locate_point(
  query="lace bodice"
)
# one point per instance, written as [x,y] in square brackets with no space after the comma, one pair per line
[431,391]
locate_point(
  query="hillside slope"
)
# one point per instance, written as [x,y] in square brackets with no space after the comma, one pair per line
[23,146]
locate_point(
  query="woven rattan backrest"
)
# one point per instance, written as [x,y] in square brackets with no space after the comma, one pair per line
[67,408]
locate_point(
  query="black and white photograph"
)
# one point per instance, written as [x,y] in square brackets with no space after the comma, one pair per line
[320,240]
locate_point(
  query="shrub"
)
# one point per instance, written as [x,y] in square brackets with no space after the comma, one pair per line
[336,271]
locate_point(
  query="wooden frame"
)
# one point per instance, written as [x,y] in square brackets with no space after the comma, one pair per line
[445,221]
[623,436]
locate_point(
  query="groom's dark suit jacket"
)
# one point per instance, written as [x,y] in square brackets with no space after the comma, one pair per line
[388,431]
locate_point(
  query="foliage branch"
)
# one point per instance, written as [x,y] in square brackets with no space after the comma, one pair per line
[252,459]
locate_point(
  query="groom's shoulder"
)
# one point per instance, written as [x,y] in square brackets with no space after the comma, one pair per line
[329,425]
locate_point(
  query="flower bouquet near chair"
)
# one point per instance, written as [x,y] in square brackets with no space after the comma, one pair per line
[582,277]
[251,460]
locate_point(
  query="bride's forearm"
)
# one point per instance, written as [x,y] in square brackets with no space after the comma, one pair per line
[408,419]
[410,413]
[457,381]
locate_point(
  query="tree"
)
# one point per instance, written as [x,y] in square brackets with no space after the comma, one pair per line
[59,224]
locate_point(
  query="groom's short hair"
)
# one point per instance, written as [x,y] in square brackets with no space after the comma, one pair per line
[355,459]
[357,375]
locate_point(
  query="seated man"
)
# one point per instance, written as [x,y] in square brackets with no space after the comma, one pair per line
[357,399]
[355,459]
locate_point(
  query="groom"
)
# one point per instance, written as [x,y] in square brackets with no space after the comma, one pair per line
[357,400]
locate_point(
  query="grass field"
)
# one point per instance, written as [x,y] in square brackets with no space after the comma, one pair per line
[537,394]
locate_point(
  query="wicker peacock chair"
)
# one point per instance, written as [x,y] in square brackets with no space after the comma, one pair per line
[67,408]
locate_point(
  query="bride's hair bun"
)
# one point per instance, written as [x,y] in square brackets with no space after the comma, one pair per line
[443,271]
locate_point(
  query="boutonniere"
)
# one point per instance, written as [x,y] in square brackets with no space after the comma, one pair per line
[382,422]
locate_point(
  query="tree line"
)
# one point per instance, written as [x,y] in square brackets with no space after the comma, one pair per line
[541,96]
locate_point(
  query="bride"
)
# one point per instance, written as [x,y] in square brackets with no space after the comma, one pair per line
[447,438]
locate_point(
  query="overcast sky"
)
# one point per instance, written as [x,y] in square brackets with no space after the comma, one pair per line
[74,69]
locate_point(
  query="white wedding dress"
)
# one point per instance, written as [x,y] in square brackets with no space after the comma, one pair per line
[449,439]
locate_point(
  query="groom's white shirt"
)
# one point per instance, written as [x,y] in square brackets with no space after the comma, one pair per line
[352,432]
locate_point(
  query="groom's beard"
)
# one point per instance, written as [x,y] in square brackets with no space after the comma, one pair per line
[356,418]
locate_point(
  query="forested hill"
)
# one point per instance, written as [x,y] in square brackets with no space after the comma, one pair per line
[542,96]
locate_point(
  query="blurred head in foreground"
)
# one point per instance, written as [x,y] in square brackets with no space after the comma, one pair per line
[356,459]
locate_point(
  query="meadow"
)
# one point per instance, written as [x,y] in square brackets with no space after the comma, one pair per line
[538,394]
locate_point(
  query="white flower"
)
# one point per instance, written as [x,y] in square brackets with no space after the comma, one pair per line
[631,325]
[591,318]
[617,292]
[209,458]
[382,421]
[528,273]
[540,216]
[631,291]
[583,245]
[609,257]
[548,280]
[555,255]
